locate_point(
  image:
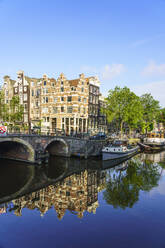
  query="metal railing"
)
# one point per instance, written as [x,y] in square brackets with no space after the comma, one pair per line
[51,132]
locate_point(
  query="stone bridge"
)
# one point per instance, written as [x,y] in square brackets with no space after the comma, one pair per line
[35,148]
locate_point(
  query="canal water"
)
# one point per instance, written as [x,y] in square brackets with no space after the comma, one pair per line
[83,203]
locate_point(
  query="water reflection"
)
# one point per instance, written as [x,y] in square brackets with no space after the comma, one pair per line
[73,185]
[77,193]
[14,177]
[123,187]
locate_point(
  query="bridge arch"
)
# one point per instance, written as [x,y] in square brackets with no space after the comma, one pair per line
[17,148]
[57,147]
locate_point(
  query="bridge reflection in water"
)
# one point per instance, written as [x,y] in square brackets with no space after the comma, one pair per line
[70,184]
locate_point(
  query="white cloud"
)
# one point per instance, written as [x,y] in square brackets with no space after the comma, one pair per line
[157,90]
[106,72]
[153,69]
[140,42]
[112,71]
[146,40]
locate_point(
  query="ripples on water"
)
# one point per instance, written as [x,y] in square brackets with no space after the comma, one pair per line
[79,203]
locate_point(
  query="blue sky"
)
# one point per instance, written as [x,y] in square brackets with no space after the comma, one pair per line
[121,41]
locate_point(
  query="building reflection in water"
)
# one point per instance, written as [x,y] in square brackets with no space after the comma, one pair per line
[77,193]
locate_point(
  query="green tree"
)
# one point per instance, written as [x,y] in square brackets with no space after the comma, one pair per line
[123,106]
[151,110]
[1,103]
[16,110]
[161,116]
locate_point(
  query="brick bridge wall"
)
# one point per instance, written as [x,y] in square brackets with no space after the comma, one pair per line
[33,148]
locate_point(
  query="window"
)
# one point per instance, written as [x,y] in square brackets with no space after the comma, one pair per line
[62,109]
[55,99]
[44,82]
[85,100]
[71,121]
[25,106]
[62,89]
[79,99]
[84,110]
[62,98]
[69,109]
[55,110]
[16,90]
[32,92]
[25,118]
[78,109]
[47,119]
[45,91]
[82,89]
[62,82]
[25,89]
[37,93]
[69,98]
[45,99]
[25,97]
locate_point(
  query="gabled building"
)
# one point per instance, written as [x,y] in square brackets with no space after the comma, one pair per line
[21,88]
[69,105]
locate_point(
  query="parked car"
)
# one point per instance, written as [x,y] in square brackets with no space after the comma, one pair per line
[99,136]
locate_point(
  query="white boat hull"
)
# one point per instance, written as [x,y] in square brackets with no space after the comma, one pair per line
[117,155]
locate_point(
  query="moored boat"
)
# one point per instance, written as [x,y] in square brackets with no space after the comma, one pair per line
[118,150]
[153,142]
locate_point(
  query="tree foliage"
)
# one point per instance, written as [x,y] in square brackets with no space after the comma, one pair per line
[151,110]
[161,116]
[124,106]
[11,112]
